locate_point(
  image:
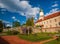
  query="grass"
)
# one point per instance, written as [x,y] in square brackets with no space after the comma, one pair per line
[53,42]
[9,33]
[3,34]
[35,37]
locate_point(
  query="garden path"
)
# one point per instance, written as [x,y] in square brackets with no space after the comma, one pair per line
[16,40]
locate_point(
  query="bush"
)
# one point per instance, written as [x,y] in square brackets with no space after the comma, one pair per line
[35,37]
[14,32]
[1,30]
[1,26]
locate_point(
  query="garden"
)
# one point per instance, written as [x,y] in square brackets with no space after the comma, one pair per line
[35,37]
[53,42]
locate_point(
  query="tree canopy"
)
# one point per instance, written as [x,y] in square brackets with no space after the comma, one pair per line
[30,22]
[16,24]
[1,26]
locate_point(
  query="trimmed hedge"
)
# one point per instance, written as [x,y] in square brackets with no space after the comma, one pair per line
[14,32]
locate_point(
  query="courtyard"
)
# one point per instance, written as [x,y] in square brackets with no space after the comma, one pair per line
[15,40]
[29,22]
[39,38]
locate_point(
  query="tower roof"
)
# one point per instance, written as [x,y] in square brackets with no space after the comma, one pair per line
[41,10]
[50,16]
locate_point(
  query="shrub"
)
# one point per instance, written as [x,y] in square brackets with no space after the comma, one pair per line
[35,37]
[1,26]
[1,30]
[9,32]
[14,32]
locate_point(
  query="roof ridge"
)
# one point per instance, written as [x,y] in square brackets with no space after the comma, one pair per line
[50,16]
[52,13]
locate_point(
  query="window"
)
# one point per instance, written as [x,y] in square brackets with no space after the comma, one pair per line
[56,25]
[50,25]
[59,23]
[47,21]
[46,26]
[55,20]
[44,22]
[50,21]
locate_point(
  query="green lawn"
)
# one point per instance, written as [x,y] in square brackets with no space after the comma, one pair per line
[53,42]
[35,38]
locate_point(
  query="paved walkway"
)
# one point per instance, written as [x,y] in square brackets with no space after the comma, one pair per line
[16,40]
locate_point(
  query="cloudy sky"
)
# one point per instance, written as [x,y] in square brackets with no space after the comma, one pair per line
[20,10]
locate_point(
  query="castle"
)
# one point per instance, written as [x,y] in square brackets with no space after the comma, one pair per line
[49,23]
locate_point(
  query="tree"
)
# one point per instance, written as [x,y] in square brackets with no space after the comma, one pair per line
[30,22]
[24,24]
[1,26]
[16,24]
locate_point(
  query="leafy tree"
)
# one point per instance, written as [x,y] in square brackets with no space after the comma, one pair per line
[1,26]
[8,27]
[16,24]
[30,22]
[24,24]
[4,25]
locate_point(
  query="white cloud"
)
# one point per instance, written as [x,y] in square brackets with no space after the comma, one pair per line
[5,21]
[35,18]
[55,5]
[18,20]
[23,21]
[52,11]
[32,12]
[7,25]
[13,17]
[2,5]
[22,7]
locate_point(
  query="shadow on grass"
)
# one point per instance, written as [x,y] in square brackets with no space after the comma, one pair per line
[2,41]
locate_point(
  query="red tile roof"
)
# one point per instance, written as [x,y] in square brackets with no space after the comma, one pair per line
[50,16]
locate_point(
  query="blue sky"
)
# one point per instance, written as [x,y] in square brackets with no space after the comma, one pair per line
[20,10]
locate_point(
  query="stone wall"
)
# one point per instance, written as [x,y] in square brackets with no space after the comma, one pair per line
[35,29]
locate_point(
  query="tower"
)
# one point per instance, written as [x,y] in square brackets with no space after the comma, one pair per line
[41,14]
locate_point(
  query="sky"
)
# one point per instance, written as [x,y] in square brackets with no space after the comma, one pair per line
[21,10]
